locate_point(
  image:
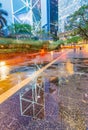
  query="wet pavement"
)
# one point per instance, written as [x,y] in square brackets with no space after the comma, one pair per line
[66,94]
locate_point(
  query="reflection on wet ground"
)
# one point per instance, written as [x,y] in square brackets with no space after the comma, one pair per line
[11,75]
[66,96]
[81,64]
[4,71]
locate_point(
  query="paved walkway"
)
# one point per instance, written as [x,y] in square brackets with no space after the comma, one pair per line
[59,115]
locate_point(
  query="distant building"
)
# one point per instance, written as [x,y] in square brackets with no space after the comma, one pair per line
[66,8]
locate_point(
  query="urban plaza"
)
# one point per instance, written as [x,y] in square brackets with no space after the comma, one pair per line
[43,64]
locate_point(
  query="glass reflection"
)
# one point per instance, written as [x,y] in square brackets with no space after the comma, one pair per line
[4,70]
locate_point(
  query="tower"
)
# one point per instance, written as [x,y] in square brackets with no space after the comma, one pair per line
[52,15]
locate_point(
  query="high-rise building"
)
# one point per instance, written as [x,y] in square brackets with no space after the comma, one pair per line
[53,16]
[66,8]
[49,12]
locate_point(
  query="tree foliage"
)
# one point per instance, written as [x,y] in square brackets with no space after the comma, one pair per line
[20,28]
[79,22]
[74,39]
[3,21]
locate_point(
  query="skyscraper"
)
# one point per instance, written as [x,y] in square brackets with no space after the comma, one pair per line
[49,13]
[54,16]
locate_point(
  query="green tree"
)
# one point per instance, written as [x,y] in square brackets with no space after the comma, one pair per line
[74,39]
[20,28]
[79,22]
[3,21]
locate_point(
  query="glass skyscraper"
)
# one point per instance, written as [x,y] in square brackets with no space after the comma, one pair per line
[50,15]
[53,15]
